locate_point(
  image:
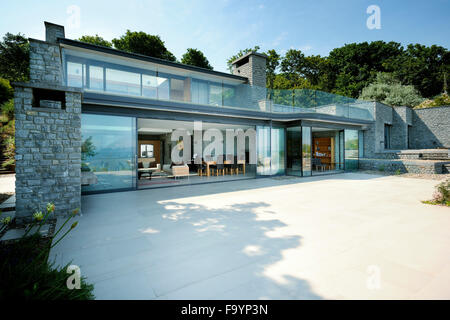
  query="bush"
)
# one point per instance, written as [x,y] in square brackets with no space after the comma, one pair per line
[6,91]
[25,272]
[8,109]
[441,100]
[386,89]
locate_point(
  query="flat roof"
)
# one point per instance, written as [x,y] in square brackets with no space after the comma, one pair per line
[142,57]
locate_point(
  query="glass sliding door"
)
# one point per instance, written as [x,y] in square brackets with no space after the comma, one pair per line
[351,149]
[277,140]
[306,151]
[294,151]
[108,152]
[263,154]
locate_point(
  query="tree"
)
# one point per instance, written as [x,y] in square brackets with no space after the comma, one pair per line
[143,43]
[424,67]
[273,61]
[295,65]
[14,57]
[195,57]
[354,66]
[6,91]
[241,53]
[97,40]
[388,90]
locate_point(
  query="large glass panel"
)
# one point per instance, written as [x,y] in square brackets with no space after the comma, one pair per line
[74,74]
[229,96]
[163,87]
[351,149]
[108,152]
[177,89]
[294,151]
[123,82]
[149,86]
[306,151]
[215,94]
[96,78]
[361,143]
[277,151]
[199,91]
[263,150]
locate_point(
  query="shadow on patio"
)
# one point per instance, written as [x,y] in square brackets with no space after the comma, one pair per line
[175,249]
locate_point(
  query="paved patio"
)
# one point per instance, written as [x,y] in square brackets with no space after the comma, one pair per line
[347,236]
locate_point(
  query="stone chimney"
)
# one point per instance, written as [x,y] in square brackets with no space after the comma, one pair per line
[53,32]
[45,57]
[253,67]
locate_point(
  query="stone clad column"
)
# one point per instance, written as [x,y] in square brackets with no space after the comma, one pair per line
[48,133]
[48,152]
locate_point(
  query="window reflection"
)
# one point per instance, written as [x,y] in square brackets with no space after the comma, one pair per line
[108,151]
[177,89]
[123,82]
[74,74]
[96,78]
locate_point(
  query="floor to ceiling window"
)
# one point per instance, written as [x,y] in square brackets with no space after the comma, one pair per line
[175,152]
[263,153]
[108,152]
[294,151]
[277,151]
[326,150]
[306,151]
[351,149]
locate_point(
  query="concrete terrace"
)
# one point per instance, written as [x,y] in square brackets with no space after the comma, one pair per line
[347,236]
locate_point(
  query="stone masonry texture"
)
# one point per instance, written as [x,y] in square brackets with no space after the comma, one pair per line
[48,134]
[48,154]
[430,128]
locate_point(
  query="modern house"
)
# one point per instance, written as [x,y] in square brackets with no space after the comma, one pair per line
[95,119]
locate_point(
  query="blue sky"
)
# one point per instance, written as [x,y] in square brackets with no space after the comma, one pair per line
[220,28]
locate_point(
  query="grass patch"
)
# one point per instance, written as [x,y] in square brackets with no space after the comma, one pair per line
[436,203]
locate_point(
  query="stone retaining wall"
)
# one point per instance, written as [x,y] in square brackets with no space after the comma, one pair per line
[403,165]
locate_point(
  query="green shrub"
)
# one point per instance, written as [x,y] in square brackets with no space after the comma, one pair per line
[8,109]
[6,91]
[440,100]
[442,192]
[381,168]
[26,273]
[386,89]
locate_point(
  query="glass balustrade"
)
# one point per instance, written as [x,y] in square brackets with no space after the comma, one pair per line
[115,77]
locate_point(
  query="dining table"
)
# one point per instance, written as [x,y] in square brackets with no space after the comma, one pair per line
[208,163]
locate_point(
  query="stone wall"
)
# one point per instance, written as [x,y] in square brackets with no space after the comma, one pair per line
[430,128]
[401,119]
[48,133]
[403,165]
[48,152]
[45,63]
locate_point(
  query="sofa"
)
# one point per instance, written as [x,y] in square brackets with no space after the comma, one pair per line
[181,170]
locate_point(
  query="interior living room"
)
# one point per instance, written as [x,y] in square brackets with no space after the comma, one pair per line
[326,146]
[155,148]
